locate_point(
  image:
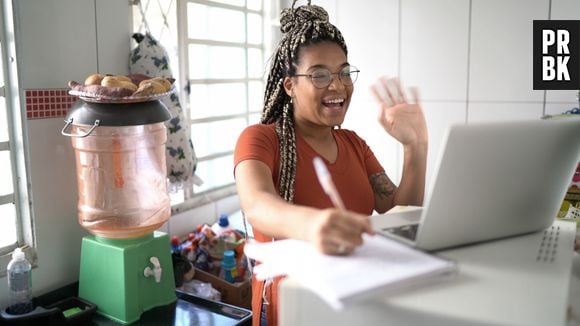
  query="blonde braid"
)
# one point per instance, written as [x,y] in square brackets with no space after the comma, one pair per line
[302,27]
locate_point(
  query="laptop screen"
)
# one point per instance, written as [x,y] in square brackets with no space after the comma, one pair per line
[496,180]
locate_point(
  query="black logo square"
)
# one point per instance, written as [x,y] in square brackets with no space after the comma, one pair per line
[556,50]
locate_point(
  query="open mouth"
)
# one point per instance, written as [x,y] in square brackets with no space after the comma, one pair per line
[334,103]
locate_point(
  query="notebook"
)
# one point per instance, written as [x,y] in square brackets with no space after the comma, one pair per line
[380,266]
[492,180]
[513,281]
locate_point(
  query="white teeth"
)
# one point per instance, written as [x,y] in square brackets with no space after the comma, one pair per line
[334,101]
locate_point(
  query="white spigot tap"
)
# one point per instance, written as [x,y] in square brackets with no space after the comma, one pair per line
[156,271]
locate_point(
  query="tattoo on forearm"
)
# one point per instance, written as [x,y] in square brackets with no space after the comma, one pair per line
[382,185]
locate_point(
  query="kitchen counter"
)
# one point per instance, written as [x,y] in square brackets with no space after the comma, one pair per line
[187,310]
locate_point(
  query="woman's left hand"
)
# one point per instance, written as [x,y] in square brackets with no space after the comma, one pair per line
[401,118]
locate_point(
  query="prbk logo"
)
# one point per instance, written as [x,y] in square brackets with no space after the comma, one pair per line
[556,54]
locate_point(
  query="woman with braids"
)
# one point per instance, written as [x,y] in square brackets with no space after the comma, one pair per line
[309,89]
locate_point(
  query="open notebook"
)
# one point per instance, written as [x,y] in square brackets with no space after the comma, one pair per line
[380,265]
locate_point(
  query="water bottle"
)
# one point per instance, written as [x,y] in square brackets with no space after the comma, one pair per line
[222,225]
[19,284]
[229,268]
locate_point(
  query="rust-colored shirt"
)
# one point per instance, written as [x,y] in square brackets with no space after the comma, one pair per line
[350,173]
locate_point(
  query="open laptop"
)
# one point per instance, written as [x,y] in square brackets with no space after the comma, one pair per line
[492,180]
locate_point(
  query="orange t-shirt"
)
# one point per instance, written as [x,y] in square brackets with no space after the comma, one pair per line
[350,173]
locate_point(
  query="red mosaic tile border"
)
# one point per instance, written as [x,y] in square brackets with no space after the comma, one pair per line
[47,103]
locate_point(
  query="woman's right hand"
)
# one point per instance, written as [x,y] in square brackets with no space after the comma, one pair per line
[338,232]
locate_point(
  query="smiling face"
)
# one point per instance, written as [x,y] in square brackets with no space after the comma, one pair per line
[319,107]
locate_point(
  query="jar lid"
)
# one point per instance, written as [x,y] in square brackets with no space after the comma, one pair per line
[118,114]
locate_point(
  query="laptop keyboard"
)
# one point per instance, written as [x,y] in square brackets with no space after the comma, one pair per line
[406,231]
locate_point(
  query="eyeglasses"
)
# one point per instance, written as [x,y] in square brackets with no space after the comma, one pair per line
[322,78]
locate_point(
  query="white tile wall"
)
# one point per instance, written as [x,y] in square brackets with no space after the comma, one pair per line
[489,112]
[440,116]
[373,47]
[113,58]
[434,44]
[63,37]
[328,5]
[362,118]
[559,96]
[558,108]
[501,49]
[54,195]
[565,9]
[59,43]
[370,29]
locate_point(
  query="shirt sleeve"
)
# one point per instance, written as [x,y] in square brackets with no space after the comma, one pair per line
[257,142]
[371,163]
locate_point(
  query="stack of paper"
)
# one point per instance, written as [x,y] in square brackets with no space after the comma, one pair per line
[380,265]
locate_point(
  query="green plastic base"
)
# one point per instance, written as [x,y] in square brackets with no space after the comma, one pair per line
[112,275]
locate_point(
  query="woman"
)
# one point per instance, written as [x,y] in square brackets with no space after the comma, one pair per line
[309,89]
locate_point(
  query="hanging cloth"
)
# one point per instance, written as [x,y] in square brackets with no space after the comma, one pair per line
[150,58]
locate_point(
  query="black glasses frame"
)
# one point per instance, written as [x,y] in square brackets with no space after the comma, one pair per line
[349,82]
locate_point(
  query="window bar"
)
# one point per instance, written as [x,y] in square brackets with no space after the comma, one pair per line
[4,146]
[182,38]
[217,118]
[225,6]
[223,43]
[214,156]
[222,81]
[7,199]
[247,71]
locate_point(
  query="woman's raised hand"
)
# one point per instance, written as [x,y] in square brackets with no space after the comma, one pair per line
[337,232]
[401,117]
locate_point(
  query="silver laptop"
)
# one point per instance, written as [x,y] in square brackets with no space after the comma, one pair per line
[492,180]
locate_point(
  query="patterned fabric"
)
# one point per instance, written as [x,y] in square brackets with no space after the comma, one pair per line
[150,58]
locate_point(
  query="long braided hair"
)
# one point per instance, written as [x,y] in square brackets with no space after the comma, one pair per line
[301,27]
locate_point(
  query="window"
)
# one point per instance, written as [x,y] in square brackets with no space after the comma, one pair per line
[15,218]
[221,50]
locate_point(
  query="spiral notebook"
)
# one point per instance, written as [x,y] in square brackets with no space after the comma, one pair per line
[379,266]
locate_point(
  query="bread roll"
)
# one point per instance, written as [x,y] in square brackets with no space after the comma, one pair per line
[129,85]
[113,81]
[145,89]
[149,87]
[163,82]
[94,79]
[123,78]
[110,81]
[156,85]
[98,90]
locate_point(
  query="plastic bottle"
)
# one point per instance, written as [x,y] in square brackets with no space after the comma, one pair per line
[229,268]
[19,284]
[222,225]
